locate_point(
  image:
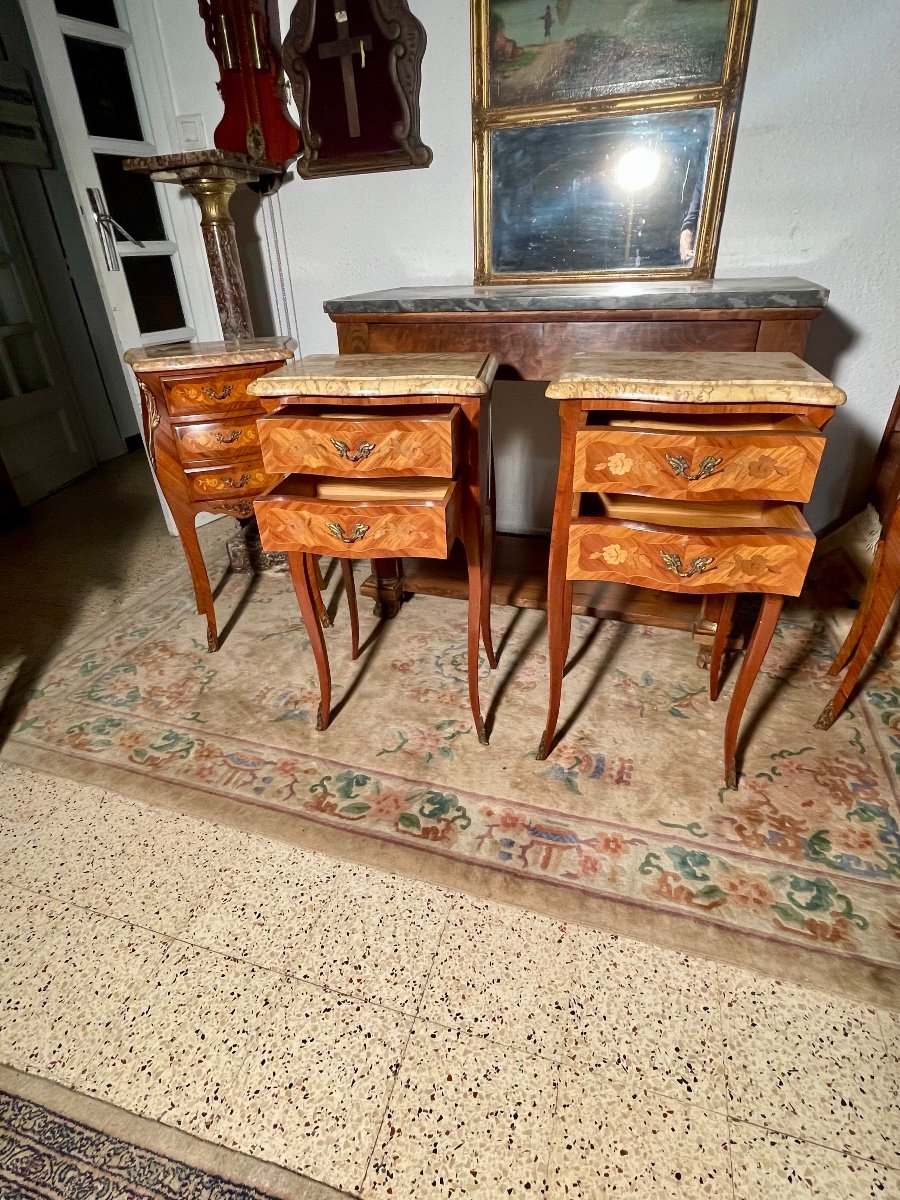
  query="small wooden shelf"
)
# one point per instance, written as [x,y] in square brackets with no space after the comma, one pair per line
[520,581]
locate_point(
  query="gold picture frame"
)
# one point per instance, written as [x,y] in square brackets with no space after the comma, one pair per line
[701,109]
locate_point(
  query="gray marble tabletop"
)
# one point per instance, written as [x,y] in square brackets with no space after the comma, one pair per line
[678,294]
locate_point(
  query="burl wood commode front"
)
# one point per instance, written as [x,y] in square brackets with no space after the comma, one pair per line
[685,473]
[382,456]
[200,428]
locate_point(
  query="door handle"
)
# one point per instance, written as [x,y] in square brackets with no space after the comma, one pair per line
[111,223]
[107,227]
[107,241]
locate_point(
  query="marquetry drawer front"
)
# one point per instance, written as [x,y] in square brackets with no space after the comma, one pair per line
[381,445]
[775,463]
[237,479]
[691,560]
[218,441]
[419,526]
[217,392]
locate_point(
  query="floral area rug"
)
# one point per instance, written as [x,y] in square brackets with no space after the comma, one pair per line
[797,870]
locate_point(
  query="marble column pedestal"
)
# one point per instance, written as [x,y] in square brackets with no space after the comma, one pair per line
[211,177]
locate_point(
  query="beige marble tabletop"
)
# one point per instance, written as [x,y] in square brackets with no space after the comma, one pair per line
[380,375]
[232,353]
[694,377]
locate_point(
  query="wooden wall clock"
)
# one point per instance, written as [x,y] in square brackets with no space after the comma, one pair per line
[240,36]
[355,67]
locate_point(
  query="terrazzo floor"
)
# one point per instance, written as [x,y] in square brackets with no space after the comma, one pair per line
[382,1035]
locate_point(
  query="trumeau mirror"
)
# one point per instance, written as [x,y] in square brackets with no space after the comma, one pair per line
[603,135]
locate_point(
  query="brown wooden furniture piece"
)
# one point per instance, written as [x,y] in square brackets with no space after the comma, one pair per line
[202,441]
[884,577]
[533,330]
[684,473]
[383,457]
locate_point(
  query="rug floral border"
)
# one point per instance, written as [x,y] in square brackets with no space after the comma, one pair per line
[840,903]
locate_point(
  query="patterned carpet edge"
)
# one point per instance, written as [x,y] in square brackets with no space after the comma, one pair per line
[55,1144]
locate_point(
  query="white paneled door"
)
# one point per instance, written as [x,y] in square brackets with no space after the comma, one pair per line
[102,69]
[42,441]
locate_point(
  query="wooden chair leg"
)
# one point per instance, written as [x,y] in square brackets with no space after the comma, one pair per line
[753,659]
[884,589]
[187,531]
[559,628]
[350,589]
[304,580]
[318,582]
[851,641]
[720,639]
[489,533]
[559,589]
[471,539]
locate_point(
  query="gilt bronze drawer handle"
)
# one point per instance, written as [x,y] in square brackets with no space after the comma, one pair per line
[679,465]
[226,391]
[363,450]
[227,439]
[673,563]
[236,483]
[356,533]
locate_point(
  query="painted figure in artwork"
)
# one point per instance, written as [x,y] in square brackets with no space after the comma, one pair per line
[594,48]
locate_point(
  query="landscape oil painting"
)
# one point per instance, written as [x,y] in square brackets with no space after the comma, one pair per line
[565,51]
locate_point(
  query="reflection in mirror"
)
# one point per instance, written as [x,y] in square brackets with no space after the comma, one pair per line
[614,193]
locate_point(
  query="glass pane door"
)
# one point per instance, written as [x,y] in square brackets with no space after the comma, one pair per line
[101,57]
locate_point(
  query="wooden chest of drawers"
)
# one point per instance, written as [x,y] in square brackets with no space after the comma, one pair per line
[683,473]
[384,457]
[201,434]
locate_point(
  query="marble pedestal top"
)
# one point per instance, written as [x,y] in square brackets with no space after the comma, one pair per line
[588,297]
[234,353]
[694,377]
[196,164]
[380,375]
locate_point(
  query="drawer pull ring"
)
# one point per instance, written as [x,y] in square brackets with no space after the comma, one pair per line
[357,533]
[227,439]
[236,483]
[226,391]
[673,563]
[679,465]
[363,450]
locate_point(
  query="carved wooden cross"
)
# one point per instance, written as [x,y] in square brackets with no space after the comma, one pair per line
[344,49]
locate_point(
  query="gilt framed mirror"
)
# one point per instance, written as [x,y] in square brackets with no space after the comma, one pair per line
[603,133]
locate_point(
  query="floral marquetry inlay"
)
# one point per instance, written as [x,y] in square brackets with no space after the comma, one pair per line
[619,464]
[614,554]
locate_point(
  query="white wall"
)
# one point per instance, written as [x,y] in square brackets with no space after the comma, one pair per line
[814,192]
